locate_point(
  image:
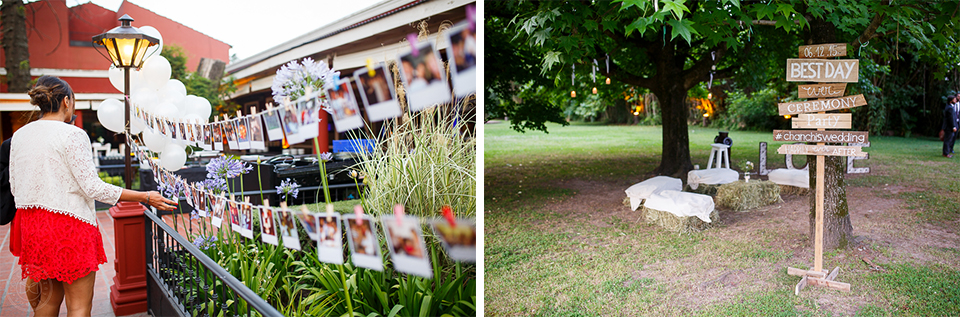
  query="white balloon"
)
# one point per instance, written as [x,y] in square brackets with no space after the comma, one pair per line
[136,126]
[154,140]
[167,110]
[152,31]
[145,98]
[116,77]
[199,106]
[173,91]
[155,72]
[193,117]
[173,157]
[110,114]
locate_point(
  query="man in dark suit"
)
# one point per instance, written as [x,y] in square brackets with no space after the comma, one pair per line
[950,125]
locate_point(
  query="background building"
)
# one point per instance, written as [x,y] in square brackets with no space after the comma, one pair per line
[60,45]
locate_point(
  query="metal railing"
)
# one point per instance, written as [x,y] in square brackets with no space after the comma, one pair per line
[183,281]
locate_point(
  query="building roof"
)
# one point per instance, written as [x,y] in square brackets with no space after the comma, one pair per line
[377,32]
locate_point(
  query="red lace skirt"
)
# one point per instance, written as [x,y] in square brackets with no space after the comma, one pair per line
[55,246]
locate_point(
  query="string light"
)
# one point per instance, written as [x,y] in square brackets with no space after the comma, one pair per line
[786,116]
[594,90]
[573,94]
[608,80]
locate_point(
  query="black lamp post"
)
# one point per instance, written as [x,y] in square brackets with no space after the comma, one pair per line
[126,47]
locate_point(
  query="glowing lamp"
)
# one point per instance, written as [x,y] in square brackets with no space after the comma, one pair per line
[125,45]
[608,80]
[594,90]
[573,94]
[706,115]
[786,116]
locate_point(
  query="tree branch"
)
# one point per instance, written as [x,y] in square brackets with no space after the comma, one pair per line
[703,66]
[871,31]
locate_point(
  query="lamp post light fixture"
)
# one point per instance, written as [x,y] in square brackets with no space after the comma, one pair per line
[125,47]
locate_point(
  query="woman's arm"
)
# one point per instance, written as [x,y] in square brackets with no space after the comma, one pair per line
[151,198]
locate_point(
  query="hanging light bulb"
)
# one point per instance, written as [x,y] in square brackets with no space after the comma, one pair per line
[608,80]
[710,95]
[573,94]
[786,116]
[594,90]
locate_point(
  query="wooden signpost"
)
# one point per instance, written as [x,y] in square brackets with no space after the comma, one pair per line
[813,114]
[821,91]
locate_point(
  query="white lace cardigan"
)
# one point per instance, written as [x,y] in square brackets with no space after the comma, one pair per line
[51,167]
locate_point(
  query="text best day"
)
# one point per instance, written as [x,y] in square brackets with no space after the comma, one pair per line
[823,70]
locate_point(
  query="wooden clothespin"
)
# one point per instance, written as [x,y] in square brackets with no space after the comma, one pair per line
[269,106]
[253,109]
[358,211]
[398,213]
[370,70]
[283,204]
[448,214]
[239,114]
[329,212]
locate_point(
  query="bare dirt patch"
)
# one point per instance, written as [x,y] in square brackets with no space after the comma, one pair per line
[886,231]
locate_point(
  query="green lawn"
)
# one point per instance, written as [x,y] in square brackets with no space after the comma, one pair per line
[542,258]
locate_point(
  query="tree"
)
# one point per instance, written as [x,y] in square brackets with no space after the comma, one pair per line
[216,93]
[15,46]
[667,49]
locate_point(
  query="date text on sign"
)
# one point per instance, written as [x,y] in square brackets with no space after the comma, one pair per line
[823,121]
[821,90]
[821,105]
[826,150]
[823,70]
[823,50]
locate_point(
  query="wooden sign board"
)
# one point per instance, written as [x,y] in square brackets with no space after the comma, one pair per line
[827,150]
[823,50]
[821,136]
[821,105]
[823,70]
[823,121]
[821,90]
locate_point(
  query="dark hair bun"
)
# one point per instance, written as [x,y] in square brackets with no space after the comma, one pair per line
[49,93]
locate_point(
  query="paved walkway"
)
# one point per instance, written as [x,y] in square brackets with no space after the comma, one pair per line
[14,302]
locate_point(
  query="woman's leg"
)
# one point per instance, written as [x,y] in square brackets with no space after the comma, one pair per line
[79,295]
[45,296]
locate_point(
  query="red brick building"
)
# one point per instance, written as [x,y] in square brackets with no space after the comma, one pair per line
[60,45]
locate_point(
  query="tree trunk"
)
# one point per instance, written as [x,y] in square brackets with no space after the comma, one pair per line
[13,23]
[675,156]
[837,228]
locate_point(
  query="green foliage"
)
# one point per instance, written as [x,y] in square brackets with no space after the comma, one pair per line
[217,94]
[178,61]
[756,112]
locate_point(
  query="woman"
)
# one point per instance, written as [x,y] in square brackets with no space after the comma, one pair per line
[54,232]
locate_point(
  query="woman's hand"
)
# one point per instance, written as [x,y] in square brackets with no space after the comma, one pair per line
[157,200]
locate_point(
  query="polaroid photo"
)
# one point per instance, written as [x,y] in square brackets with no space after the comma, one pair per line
[309,222]
[274,129]
[291,125]
[204,199]
[188,194]
[217,137]
[161,127]
[287,224]
[346,113]
[234,216]
[463,53]
[423,77]
[182,129]
[243,135]
[377,93]
[362,238]
[173,130]
[217,213]
[246,220]
[205,137]
[406,245]
[256,133]
[268,231]
[459,240]
[330,244]
[190,134]
[309,109]
[229,130]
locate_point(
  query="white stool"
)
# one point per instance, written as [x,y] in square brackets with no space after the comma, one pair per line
[719,151]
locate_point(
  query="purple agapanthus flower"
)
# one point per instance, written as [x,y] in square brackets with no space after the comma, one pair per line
[295,78]
[287,188]
[204,243]
[216,185]
[171,190]
[326,156]
[225,168]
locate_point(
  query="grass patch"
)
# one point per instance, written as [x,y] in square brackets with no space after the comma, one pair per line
[548,263]
[913,290]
